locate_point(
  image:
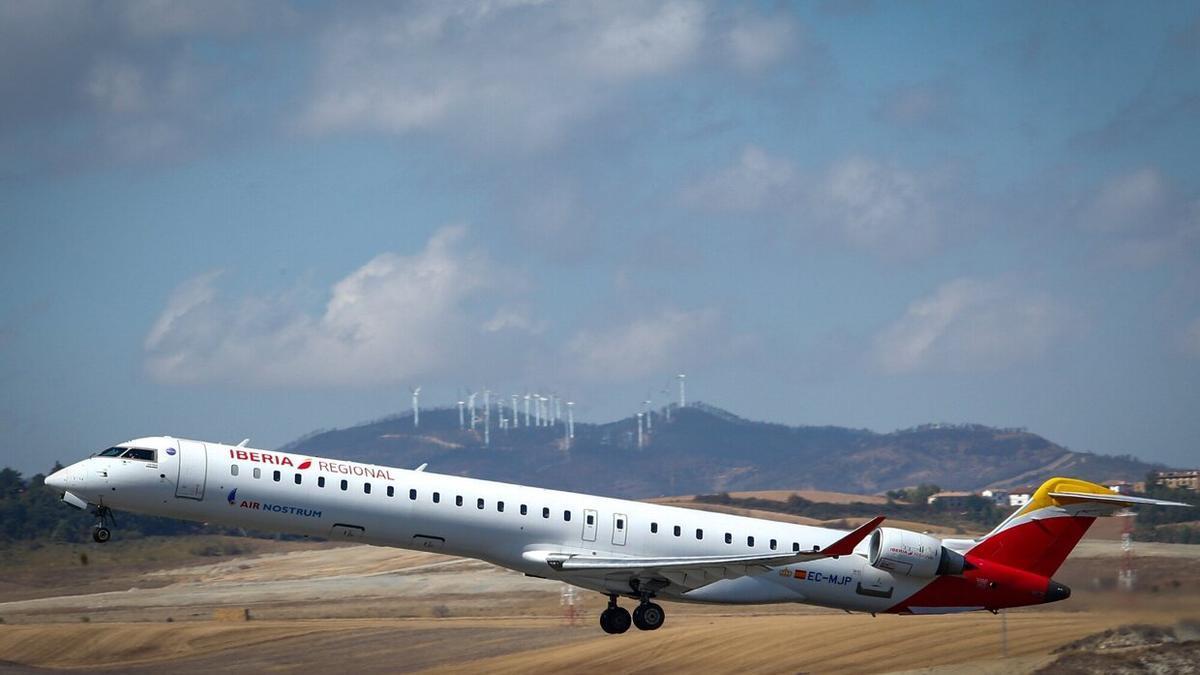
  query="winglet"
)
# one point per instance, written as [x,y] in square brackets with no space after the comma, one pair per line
[845,545]
[243,443]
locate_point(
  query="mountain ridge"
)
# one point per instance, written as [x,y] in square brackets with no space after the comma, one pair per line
[704,449]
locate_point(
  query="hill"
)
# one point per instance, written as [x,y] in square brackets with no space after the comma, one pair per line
[703,449]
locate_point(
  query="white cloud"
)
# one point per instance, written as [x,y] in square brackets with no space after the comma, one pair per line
[969,326]
[637,45]
[117,87]
[494,74]
[642,347]
[755,181]
[1142,218]
[756,42]
[1132,201]
[393,318]
[869,204]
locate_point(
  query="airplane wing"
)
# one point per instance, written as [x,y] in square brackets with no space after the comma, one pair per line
[696,571]
[1114,498]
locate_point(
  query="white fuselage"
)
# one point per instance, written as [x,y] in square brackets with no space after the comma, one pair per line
[506,524]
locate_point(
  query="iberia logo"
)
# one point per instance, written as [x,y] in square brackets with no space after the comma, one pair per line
[262,457]
[232,497]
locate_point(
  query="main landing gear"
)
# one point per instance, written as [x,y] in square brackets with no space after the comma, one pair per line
[616,619]
[101,533]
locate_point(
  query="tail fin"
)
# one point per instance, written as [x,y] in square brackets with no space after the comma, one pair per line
[1040,535]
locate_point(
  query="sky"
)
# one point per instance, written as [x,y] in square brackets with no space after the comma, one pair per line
[223,220]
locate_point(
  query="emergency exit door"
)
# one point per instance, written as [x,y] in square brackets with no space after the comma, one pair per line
[589,525]
[620,525]
[193,470]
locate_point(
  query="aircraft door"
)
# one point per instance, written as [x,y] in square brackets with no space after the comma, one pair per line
[193,470]
[620,525]
[589,524]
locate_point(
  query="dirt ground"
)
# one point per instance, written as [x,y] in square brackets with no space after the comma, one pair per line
[148,605]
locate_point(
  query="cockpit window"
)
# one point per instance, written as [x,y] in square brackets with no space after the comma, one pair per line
[139,453]
[112,452]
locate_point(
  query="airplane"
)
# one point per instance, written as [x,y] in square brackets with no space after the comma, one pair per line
[617,547]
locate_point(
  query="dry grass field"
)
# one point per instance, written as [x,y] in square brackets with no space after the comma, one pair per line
[148,606]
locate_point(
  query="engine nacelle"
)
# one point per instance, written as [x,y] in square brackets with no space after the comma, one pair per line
[912,554]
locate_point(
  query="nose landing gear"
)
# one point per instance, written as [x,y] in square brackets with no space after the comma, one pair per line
[101,533]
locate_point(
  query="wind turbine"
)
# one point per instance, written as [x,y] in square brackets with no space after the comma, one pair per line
[471,405]
[516,416]
[526,409]
[639,418]
[649,415]
[487,417]
[682,391]
[461,419]
[416,393]
[570,419]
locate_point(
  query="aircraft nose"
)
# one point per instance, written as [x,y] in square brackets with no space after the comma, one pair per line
[57,480]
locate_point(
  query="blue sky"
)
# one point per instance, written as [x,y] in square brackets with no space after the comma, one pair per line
[231,219]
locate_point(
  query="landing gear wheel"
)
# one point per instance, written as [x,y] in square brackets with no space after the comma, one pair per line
[104,516]
[649,616]
[615,620]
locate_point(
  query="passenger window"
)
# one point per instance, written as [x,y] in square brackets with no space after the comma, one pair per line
[367,488]
[320,481]
[479,503]
[678,530]
[591,520]
[500,507]
[277,475]
[653,528]
[257,472]
[773,546]
[298,479]
[567,516]
[699,533]
[620,523]
[524,510]
[795,547]
[728,538]
[391,491]
[345,484]
[750,541]
[545,511]
[458,500]
[437,498]
[412,494]
[233,469]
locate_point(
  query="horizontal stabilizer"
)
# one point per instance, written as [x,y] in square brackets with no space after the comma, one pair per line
[1114,498]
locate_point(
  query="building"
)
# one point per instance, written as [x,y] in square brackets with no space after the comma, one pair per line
[950,500]
[1185,480]
[1020,496]
[1120,487]
[1000,497]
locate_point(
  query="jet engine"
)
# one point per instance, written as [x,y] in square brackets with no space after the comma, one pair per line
[912,554]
